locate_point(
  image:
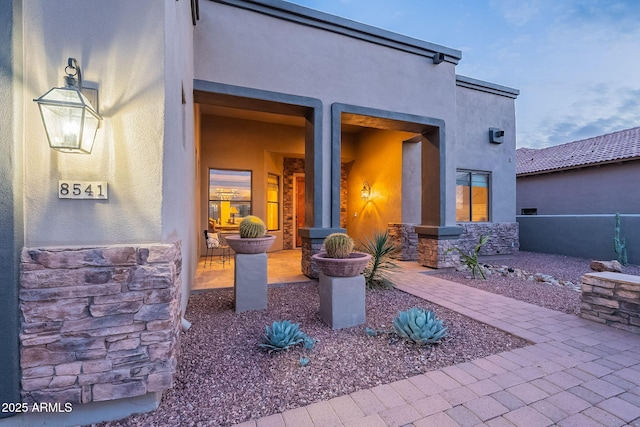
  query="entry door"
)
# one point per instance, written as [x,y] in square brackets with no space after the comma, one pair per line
[299,208]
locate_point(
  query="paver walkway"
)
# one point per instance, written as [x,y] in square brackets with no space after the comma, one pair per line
[576,373]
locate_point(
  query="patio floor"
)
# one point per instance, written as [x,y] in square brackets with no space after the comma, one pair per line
[575,373]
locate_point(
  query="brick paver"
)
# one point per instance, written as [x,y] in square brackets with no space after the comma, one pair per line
[576,373]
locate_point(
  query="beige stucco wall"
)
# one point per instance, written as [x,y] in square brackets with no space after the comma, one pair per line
[139,55]
[379,162]
[252,50]
[127,69]
[477,112]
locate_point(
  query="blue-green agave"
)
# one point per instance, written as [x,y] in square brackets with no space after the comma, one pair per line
[420,326]
[282,335]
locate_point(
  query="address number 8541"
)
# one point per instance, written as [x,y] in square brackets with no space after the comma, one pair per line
[83,190]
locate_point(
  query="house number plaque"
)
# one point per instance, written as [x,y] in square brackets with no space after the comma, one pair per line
[83,190]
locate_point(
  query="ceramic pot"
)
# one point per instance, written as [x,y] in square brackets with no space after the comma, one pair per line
[342,267]
[245,245]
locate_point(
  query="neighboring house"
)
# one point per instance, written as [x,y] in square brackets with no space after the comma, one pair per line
[213,110]
[575,189]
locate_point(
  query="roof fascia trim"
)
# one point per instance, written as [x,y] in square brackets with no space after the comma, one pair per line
[313,18]
[483,86]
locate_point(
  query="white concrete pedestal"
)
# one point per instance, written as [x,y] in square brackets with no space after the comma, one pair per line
[342,301]
[250,282]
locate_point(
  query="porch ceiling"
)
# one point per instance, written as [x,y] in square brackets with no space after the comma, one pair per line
[359,121]
[251,109]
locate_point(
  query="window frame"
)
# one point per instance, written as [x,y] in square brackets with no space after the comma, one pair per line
[277,203]
[470,173]
[211,197]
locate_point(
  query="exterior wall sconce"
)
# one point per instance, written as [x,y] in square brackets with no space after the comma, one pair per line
[496,136]
[365,193]
[69,118]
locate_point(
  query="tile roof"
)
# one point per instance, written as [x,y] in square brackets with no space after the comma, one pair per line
[613,147]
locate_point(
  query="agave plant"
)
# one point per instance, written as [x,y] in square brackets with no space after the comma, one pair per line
[471,259]
[381,249]
[282,335]
[420,326]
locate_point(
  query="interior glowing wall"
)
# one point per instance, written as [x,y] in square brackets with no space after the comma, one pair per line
[379,162]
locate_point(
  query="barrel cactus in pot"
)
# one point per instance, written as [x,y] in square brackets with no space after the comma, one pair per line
[338,258]
[252,238]
[251,227]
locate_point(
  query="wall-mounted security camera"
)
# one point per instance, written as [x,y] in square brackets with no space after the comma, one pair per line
[496,136]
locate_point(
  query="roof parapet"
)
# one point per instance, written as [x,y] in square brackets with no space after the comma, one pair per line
[483,86]
[336,24]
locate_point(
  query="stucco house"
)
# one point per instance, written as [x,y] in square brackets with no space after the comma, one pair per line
[212,110]
[568,195]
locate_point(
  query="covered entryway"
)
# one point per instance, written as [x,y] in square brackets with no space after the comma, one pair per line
[253,152]
[390,177]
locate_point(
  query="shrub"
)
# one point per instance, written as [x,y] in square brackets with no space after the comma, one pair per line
[420,326]
[381,249]
[338,245]
[252,227]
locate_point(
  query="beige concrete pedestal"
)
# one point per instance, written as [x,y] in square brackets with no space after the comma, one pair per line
[342,301]
[250,282]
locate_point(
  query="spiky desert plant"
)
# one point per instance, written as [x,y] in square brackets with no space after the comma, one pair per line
[420,326]
[619,243]
[282,335]
[471,259]
[381,249]
[338,245]
[252,227]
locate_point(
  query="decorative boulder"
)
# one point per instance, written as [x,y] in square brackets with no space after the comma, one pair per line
[613,266]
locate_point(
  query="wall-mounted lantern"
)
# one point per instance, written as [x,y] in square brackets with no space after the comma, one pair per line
[496,136]
[69,118]
[365,193]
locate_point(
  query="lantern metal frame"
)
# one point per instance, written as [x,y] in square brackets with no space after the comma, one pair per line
[365,193]
[69,118]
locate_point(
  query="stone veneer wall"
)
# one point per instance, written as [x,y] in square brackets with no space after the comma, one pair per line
[99,323]
[290,167]
[404,237]
[503,240]
[612,299]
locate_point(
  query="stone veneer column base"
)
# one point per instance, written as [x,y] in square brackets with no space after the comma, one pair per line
[433,253]
[405,238]
[342,301]
[99,323]
[250,282]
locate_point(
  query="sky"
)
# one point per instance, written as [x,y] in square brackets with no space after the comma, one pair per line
[575,62]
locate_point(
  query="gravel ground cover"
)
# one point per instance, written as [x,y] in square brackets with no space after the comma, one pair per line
[554,297]
[224,378]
